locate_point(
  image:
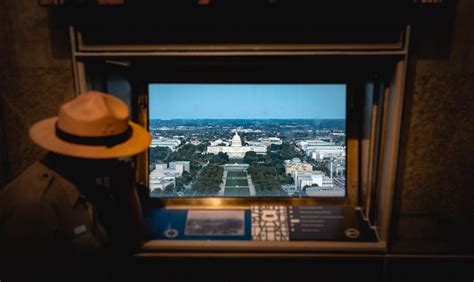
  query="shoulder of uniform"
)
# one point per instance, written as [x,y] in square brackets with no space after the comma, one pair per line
[29,186]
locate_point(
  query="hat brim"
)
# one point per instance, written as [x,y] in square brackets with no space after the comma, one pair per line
[43,133]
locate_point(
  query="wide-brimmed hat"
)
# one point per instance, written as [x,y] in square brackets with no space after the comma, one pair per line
[94,125]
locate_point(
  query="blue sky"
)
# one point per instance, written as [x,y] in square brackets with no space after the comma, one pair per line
[247,101]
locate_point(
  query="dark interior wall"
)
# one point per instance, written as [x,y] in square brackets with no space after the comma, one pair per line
[435,195]
[434,207]
[35,78]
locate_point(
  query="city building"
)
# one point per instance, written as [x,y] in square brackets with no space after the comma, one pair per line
[220,142]
[236,167]
[338,134]
[319,149]
[246,130]
[295,165]
[267,141]
[235,149]
[180,166]
[173,144]
[303,144]
[160,182]
[195,141]
[322,152]
[337,167]
[290,189]
[165,174]
[303,179]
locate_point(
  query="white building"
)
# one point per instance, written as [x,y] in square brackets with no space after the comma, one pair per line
[270,140]
[236,150]
[181,166]
[290,189]
[337,167]
[321,152]
[295,165]
[236,167]
[220,142]
[318,149]
[303,144]
[161,182]
[195,141]
[338,134]
[165,142]
[246,130]
[303,179]
[165,174]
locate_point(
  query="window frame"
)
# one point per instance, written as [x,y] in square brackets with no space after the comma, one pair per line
[392,63]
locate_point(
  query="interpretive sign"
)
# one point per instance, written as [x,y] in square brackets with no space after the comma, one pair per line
[262,223]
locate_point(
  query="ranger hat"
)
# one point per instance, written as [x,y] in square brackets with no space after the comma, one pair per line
[94,125]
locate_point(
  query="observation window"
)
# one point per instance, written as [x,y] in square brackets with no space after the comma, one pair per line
[247,140]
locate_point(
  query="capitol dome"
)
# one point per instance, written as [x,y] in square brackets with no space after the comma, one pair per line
[236,141]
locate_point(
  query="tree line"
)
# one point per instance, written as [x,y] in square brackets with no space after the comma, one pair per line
[208,181]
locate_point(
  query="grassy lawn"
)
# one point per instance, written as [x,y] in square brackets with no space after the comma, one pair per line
[236,192]
[236,182]
[236,174]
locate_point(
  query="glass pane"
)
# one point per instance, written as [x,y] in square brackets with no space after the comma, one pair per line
[247,140]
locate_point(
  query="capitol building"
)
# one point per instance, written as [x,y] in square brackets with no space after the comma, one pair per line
[235,149]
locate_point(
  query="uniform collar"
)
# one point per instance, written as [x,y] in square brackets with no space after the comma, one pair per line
[71,191]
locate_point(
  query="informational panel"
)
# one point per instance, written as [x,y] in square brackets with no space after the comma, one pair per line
[199,224]
[328,224]
[261,223]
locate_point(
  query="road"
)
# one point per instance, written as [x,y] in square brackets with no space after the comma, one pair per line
[340,182]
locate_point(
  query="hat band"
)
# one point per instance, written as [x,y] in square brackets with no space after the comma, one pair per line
[108,141]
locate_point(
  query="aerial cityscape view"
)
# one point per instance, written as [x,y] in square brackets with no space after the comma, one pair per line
[247,140]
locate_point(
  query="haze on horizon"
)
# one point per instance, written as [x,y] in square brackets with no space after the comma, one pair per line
[247,119]
[247,101]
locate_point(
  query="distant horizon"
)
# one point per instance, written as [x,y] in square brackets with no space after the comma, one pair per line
[187,101]
[247,118]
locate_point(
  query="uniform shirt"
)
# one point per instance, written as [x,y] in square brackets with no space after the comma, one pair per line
[42,211]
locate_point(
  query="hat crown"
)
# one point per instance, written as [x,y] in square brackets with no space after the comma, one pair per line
[94,114]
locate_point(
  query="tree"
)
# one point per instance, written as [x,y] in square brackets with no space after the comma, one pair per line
[202,147]
[156,193]
[286,150]
[322,166]
[285,179]
[251,158]
[223,156]
[169,190]
[209,180]
[184,179]
[159,154]
[265,180]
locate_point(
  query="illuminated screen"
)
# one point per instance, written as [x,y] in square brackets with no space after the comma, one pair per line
[247,140]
